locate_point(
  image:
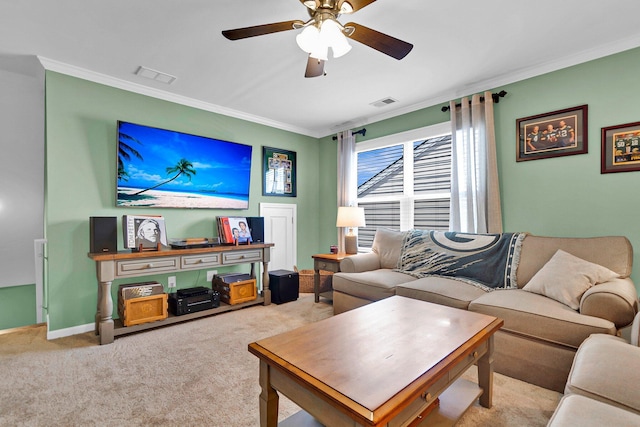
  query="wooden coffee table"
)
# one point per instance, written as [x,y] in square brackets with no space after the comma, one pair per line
[387,363]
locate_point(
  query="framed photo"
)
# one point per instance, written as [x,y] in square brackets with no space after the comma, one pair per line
[144,232]
[621,148]
[555,134]
[278,172]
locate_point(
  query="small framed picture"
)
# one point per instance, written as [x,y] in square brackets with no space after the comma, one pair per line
[621,148]
[144,232]
[279,172]
[555,134]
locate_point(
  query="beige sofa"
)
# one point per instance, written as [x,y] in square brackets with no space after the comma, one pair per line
[540,335]
[599,392]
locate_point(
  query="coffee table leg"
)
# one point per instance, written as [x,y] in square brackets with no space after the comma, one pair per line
[268,398]
[485,375]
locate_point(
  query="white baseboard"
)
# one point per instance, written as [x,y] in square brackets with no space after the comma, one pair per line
[61,333]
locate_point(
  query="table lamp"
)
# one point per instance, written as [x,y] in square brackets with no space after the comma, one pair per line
[350,216]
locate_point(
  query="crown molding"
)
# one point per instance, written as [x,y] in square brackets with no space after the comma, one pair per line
[494,83]
[488,84]
[92,76]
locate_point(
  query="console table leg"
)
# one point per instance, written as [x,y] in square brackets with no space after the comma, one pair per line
[266,292]
[105,311]
[485,375]
[268,398]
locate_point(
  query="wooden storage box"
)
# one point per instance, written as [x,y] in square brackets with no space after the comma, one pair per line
[236,292]
[135,311]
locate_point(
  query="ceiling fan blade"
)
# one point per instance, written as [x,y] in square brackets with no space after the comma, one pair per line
[315,67]
[355,4]
[381,42]
[260,30]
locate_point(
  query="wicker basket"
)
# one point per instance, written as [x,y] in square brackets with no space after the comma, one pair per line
[306,280]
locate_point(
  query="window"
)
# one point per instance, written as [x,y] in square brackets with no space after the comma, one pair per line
[404,181]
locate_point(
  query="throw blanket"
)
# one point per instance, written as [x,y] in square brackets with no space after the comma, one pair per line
[488,261]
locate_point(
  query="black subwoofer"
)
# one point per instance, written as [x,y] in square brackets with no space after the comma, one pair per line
[284,286]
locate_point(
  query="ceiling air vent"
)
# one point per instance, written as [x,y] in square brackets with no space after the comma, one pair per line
[384,102]
[155,75]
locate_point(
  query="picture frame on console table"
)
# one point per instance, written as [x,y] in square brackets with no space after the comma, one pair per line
[278,172]
[144,232]
[554,134]
[621,148]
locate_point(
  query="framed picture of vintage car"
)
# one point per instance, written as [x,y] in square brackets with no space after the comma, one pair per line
[555,134]
[621,148]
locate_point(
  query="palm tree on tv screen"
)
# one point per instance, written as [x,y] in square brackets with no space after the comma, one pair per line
[125,151]
[183,167]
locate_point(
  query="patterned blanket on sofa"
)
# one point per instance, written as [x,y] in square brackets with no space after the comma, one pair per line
[488,261]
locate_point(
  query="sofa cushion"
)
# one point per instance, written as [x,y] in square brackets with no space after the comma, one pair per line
[441,290]
[371,285]
[538,317]
[388,245]
[574,410]
[614,252]
[607,369]
[565,278]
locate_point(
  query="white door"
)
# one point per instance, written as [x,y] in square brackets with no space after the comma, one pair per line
[280,229]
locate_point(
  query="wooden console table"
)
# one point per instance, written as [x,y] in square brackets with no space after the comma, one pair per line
[124,265]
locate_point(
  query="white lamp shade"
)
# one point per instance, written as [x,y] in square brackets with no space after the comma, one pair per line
[340,48]
[350,216]
[308,39]
[320,52]
[332,36]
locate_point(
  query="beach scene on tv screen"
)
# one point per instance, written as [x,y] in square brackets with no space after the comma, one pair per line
[161,168]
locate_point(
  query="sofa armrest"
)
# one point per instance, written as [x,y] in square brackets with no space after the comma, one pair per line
[359,263]
[615,300]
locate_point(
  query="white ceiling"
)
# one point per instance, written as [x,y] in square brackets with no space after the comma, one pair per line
[460,47]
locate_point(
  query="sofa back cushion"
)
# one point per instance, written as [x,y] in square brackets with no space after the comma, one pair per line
[613,252]
[387,244]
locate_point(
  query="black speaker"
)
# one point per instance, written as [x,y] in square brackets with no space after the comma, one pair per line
[284,286]
[103,234]
[256,225]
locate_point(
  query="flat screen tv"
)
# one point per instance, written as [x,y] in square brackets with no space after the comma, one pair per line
[161,168]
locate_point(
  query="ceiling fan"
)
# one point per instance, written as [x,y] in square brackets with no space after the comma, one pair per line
[323,31]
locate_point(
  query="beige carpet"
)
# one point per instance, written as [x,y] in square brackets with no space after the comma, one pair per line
[197,373]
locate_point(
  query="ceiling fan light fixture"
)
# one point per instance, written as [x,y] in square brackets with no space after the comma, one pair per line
[311,4]
[331,35]
[346,7]
[321,52]
[308,39]
[341,48]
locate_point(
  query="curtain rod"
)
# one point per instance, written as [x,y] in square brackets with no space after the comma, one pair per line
[361,132]
[496,98]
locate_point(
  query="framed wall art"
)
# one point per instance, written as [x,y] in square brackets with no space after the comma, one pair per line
[278,172]
[555,134]
[621,148]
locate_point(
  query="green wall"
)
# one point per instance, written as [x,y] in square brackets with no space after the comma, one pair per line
[565,196]
[81,175]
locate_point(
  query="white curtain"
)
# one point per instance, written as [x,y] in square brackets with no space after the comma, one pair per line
[475,191]
[347,176]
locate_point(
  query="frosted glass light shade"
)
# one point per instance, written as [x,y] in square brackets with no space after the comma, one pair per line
[317,42]
[308,39]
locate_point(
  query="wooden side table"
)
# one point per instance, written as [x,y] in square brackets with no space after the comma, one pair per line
[327,262]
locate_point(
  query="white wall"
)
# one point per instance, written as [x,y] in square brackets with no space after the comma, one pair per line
[21,166]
